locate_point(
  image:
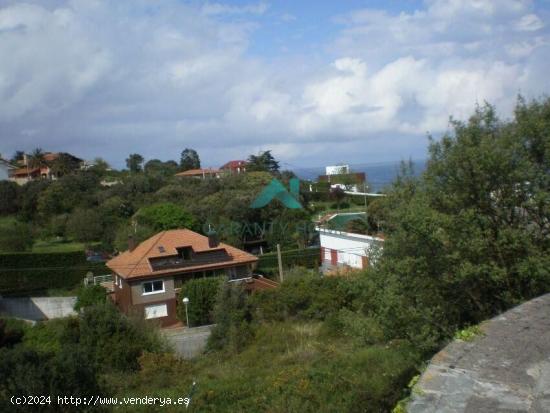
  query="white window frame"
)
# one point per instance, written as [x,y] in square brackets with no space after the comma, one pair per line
[153,291]
[163,313]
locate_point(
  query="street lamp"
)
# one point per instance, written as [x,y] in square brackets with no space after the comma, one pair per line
[185,302]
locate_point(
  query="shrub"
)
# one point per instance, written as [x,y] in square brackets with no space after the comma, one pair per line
[166,216]
[202,298]
[233,318]
[15,237]
[111,340]
[307,298]
[89,295]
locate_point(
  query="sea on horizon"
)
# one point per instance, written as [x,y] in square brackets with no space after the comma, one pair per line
[379,174]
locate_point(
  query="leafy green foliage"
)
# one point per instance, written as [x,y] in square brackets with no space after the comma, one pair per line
[165,216]
[90,295]
[8,197]
[470,237]
[189,160]
[110,340]
[85,225]
[134,162]
[262,162]
[233,317]
[15,237]
[202,294]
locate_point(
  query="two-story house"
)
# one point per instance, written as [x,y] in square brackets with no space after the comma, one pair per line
[148,276]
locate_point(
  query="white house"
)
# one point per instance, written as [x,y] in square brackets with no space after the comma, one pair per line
[343,249]
[5,168]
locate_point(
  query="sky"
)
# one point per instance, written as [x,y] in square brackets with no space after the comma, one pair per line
[317,82]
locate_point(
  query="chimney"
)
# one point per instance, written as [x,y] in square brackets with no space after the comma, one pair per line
[213,241]
[131,243]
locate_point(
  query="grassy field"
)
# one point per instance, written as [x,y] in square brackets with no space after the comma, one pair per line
[57,246]
[288,367]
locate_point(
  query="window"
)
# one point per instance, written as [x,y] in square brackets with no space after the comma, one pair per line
[185,253]
[153,287]
[156,311]
[119,282]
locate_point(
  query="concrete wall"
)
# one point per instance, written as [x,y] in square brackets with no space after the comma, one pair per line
[188,342]
[37,308]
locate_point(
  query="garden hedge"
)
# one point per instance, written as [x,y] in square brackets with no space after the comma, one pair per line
[33,273]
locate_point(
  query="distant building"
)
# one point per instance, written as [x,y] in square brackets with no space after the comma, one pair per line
[5,169]
[340,176]
[148,276]
[234,167]
[24,173]
[200,173]
[342,249]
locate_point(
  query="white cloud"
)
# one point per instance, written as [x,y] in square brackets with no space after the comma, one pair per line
[160,76]
[529,23]
[213,9]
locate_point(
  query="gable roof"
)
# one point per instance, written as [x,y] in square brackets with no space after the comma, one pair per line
[136,263]
[233,165]
[198,172]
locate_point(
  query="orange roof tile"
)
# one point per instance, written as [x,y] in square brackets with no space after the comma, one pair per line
[197,172]
[136,264]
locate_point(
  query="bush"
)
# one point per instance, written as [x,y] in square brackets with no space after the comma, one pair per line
[202,294]
[307,298]
[233,318]
[111,340]
[90,295]
[85,225]
[15,237]
[166,216]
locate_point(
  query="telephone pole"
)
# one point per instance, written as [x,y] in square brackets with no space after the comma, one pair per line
[280,261]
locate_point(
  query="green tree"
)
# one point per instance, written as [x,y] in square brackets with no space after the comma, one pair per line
[8,197]
[17,156]
[85,225]
[264,161]
[64,164]
[134,163]
[37,159]
[165,216]
[164,169]
[15,237]
[202,294]
[189,160]
[233,318]
[469,238]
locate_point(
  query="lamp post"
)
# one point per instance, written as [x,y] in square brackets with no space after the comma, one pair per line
[185,302]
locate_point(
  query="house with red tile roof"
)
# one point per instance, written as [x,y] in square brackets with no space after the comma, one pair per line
[148,276]
[234,167]
[24,172]
[201,173]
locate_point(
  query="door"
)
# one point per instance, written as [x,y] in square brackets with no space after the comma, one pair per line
[333,257]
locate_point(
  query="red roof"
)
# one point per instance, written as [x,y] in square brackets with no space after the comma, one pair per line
[137,263]
[234,165]
[198,172]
